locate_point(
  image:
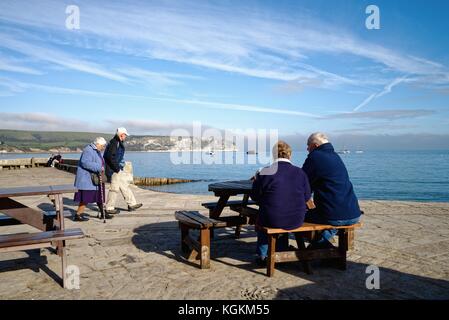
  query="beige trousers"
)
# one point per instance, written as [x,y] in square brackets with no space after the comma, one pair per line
[119,184]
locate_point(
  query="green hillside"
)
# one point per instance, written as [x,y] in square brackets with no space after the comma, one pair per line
[29,140]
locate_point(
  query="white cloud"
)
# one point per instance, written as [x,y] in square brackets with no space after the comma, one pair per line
[251,43]
[57,57]
[15,65]
[21,86]
[41,122]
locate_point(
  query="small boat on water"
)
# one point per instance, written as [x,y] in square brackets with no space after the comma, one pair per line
[359,151]
[344,151]
[251,152]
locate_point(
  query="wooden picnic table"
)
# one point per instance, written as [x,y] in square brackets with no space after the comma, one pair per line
[224,190]
[52,230]
[247,215]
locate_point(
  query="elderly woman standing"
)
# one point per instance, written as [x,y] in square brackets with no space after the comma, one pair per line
[91,162]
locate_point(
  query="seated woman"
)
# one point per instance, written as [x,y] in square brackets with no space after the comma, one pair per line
[91,162]
[281,191]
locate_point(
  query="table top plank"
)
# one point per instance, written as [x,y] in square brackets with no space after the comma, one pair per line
[36,190]
[232,187]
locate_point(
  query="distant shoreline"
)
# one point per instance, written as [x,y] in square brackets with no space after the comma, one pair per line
[149,151]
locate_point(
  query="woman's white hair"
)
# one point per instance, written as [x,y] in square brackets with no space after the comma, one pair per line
[317,138]
[100,141]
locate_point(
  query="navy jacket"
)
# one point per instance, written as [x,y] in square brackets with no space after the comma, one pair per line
[114,156]
[333,193]
[281,196]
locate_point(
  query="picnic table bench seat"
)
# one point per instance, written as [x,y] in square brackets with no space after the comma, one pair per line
[48,218]
[26,241]
[307,230]
[194,220]
[29,241]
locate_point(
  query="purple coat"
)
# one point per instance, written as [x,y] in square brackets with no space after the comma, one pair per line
[282,196]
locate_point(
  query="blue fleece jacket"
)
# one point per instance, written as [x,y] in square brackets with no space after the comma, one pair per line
[333,193]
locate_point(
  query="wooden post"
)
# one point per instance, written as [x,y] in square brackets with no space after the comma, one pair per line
[343,237]
[238,228]
[218,209]
[59,207]
[184,235]
[205,248]
[271,259]
[302,247]
[351,233]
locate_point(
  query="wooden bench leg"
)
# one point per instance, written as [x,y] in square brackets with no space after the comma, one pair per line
[302,247]
[205,248]
[184,235]
[351,239]
[343,238]
[271,259]
[62,253]
[238,230]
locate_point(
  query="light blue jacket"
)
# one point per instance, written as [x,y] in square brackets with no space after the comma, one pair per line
[91,161]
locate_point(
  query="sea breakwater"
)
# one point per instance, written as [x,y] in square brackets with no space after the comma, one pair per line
[70,165]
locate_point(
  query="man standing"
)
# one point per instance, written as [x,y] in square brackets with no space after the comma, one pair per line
[114,157]
[333,194]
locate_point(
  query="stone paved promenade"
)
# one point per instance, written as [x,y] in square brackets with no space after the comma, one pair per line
[137,255]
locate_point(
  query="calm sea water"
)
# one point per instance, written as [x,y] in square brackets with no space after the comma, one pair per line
[382,175]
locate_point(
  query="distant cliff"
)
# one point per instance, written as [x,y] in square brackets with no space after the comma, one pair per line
[59,142]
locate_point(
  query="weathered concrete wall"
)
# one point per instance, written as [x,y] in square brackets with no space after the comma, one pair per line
[71,165]
[17,164]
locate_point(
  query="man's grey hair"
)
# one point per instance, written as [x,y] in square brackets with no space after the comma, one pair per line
[100,141]
[317,138]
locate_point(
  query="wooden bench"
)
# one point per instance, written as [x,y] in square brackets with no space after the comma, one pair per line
[307,230]
[48,218]
[28,241]
[238,206]
[194,220]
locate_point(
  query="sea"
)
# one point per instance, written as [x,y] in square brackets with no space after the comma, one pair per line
[376,175]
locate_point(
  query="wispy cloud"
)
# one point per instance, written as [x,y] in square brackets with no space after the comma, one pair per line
[156,78]
[389,114]
[21,86]
[215,37]
[57,57]
[49,122]
[41,122]
[387,89]
[15,65]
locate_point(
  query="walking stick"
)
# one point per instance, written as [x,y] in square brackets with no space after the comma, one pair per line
[102,200]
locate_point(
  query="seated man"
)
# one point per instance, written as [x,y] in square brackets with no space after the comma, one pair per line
[333,194]
[281,191]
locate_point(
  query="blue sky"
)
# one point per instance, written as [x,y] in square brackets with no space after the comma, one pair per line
[296,66]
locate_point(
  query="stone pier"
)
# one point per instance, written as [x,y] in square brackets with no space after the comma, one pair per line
[138,256]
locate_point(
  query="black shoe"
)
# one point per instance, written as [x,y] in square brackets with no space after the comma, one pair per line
[115,211]
[261,262]
[80,218]
[135,207]
[107,216]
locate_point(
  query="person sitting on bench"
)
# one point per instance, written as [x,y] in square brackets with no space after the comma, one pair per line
[281,191]
[333,193]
